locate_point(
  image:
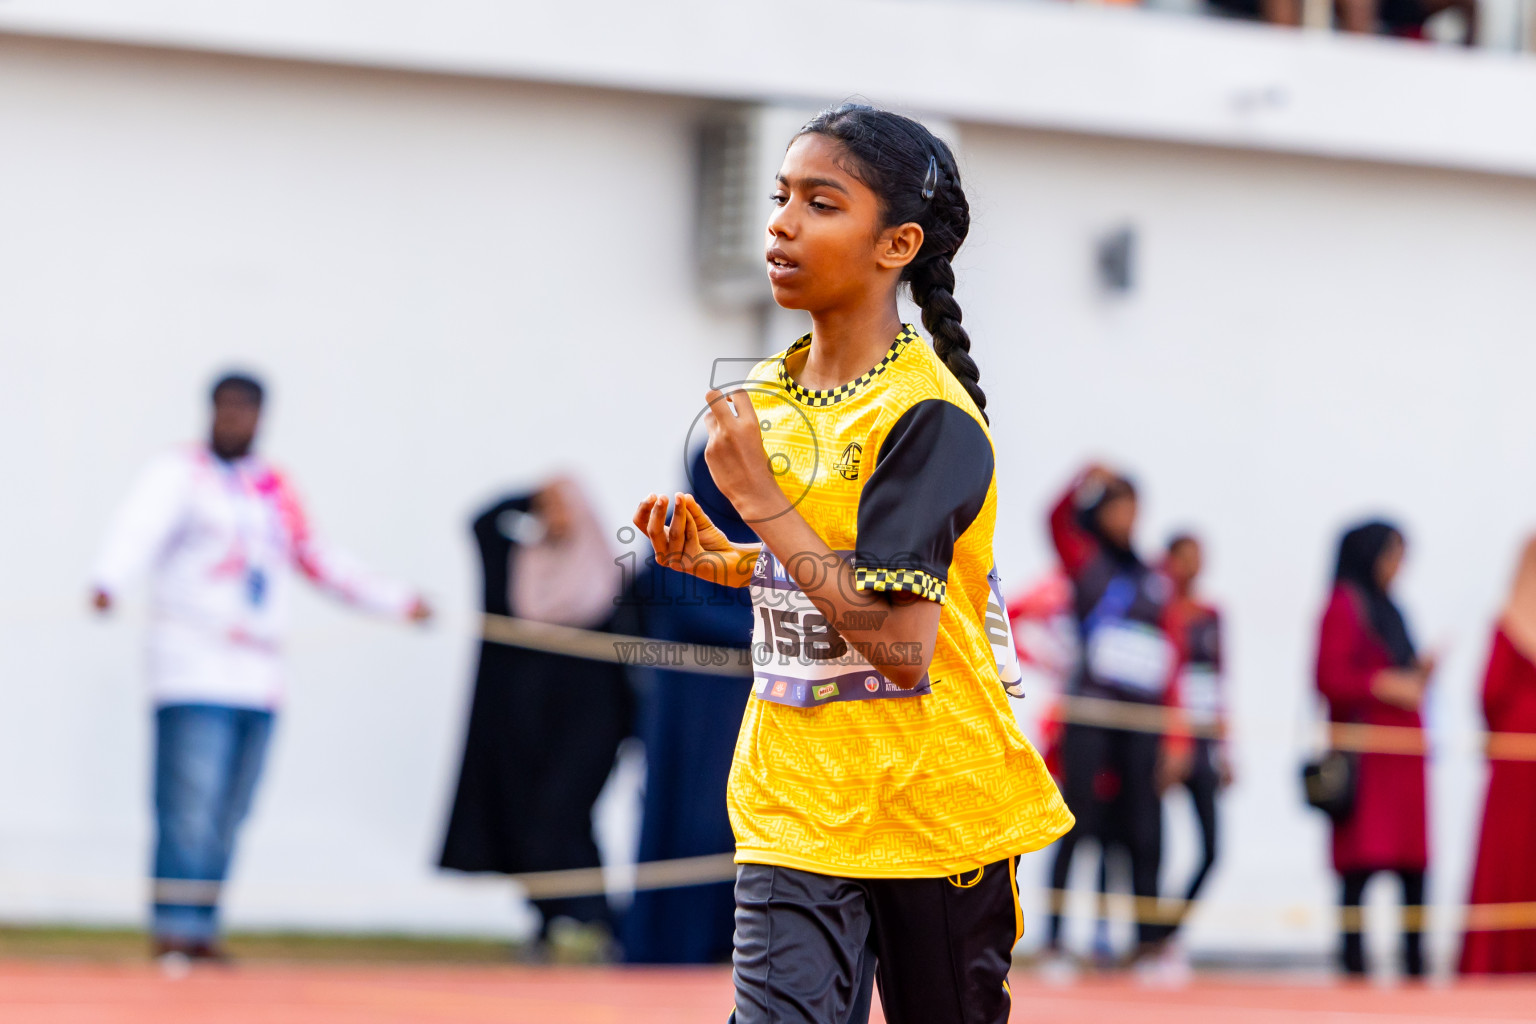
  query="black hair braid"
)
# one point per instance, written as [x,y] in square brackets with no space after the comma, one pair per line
[933,284]
[931,277]
[914,173]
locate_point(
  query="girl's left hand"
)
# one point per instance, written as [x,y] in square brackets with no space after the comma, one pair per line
[736,458]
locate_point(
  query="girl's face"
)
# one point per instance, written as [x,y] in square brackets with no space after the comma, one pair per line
[827,247]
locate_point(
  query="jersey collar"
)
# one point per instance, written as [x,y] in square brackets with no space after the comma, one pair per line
[806,396]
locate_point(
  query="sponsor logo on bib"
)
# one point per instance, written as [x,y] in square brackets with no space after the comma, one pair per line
[872,684]
[825,690]
[780,688]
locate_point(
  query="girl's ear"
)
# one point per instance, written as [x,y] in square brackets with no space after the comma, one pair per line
[899,246]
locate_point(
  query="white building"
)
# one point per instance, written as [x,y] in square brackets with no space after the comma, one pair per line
[459,239]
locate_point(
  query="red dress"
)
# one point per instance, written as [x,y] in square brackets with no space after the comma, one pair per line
[1388,829]
[1506,853]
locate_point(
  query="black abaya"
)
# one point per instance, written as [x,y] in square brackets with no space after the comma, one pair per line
[543,733]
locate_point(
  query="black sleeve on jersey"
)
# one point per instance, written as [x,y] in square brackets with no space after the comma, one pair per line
[930,480]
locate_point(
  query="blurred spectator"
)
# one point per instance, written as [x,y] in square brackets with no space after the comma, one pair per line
[543,728]
[1046,637]
[1370,673]
[219,531]
[689,724]
[1506,853]
[1196,630]
[1402,18]
[1121,607]
[1276,12]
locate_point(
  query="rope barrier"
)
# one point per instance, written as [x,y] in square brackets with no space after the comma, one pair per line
[618,648]
[1169,910]
[679,873]
[736,662]
[1121,715]
[1126,716]
[712,869]
[1346,736]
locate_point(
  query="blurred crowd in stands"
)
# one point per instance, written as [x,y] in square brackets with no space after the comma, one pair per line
[1401,19]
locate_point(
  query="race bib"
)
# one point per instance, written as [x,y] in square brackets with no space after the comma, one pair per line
[1200,693]
[1000,632]
[800,659]
[1132,655]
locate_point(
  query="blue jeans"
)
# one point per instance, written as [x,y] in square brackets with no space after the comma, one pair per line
[207,760]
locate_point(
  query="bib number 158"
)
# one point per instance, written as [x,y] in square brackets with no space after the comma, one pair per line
[801,635]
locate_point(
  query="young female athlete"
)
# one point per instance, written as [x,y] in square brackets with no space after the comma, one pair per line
[881,792]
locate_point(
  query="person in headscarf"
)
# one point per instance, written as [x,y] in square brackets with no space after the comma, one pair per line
[1506,851]
[1112,778]
[689,722]
[1371,674]
[544,728]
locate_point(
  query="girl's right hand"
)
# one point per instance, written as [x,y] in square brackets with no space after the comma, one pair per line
[676,543]
[692,543]
[711,537]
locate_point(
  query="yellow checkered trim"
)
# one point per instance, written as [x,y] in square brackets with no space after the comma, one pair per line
[912,581]
[806,396]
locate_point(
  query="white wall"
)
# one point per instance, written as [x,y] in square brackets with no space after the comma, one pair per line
[451,285]
[454,284]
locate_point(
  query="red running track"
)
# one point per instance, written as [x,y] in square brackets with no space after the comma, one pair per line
[35,993]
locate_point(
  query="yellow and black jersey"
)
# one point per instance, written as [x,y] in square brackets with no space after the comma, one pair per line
[838,770]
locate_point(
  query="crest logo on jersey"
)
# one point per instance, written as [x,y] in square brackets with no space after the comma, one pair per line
[847,464]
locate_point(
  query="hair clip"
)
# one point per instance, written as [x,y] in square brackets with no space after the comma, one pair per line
[931,182]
